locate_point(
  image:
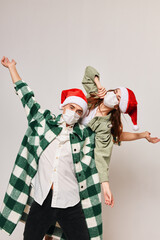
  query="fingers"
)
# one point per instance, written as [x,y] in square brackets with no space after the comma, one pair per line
[102,91]
[154,140]
[109,202]
[2,60]
[101,96]
[112,202]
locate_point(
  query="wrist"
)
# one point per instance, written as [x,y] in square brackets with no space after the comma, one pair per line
[12,67]
[105,183]
[143,135]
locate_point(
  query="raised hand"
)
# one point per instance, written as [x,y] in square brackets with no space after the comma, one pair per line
[6,63]
[101,92]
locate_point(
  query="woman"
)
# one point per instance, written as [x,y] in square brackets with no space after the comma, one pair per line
[104,117]
[105,121]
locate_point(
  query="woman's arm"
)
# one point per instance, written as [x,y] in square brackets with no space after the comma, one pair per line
[32,108]
[128,136]
[88,80]
[91,82]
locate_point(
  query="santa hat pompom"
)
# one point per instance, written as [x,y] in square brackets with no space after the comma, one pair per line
[135,127]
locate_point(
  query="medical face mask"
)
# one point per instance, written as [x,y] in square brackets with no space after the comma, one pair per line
[70,117]
[110,99]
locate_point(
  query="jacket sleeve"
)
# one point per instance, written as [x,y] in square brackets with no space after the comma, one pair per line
[103,147]
[102,152]
[88,80]
[32,108]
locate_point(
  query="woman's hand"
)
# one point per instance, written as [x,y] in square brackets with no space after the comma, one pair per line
[101,92]
[109,200]
[6,63]
[151,139]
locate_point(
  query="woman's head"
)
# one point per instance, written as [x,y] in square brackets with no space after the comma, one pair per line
[110,105]
[124,99]
[116,101]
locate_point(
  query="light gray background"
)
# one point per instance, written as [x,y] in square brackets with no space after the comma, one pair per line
[52,43]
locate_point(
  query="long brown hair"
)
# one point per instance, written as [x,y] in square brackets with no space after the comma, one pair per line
[116,129]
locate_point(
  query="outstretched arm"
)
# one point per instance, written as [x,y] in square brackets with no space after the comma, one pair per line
[128,136]
[32,108]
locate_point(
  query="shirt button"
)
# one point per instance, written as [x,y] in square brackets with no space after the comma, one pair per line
[81,186]
[74,149]
[55,170]
[56,157]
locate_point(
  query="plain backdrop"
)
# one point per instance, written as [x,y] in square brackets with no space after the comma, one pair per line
[52,43]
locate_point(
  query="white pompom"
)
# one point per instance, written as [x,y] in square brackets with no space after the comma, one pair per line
[135,127]
[60,106]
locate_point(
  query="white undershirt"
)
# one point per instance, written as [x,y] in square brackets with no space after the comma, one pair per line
[86,119]
[56,166]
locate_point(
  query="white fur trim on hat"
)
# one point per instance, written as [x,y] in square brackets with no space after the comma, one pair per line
[124,99]
[77,100]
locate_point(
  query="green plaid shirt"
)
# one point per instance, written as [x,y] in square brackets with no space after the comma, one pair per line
[43,127]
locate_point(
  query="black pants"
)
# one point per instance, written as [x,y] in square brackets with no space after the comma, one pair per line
[40,218]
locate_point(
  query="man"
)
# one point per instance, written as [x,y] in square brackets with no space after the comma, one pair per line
[57,157]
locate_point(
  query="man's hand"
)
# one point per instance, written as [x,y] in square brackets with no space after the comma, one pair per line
[12,68]
[151,139]
[6,63]
[109,200]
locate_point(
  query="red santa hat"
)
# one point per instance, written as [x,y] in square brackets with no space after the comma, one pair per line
[128,104]
[74,95]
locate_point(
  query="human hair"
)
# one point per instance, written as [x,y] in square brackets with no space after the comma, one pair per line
[116,129]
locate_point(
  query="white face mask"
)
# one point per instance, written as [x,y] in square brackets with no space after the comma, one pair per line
[110,99]
[70,117]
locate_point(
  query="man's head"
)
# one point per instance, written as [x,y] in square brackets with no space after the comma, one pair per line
[73,104]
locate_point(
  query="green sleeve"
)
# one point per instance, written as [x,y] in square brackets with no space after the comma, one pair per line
[32,108]
[103,146]
[102,153]
[88,80]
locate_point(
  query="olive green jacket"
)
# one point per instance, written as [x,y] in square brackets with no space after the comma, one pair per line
[102,127]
